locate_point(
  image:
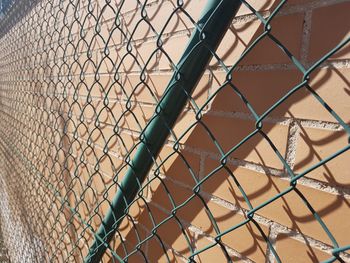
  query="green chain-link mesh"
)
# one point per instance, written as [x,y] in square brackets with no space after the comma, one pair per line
[62,126]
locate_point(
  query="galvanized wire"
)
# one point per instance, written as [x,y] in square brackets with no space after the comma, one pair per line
[67,137]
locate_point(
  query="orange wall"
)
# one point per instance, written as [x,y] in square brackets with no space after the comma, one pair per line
[49,112]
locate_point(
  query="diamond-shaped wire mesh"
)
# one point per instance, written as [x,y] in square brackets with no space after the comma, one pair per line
[80,82]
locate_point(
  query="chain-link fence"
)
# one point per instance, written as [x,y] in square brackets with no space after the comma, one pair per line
[4,6]
[103,110]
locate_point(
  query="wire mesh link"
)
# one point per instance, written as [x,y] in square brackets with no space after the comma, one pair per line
[80,81]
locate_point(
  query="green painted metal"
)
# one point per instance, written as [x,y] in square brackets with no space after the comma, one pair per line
[211,27]
[15,137]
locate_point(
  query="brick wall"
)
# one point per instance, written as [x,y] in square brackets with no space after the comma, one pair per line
[53,150]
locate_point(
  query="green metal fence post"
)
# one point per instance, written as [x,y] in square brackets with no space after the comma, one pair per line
[211,27]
